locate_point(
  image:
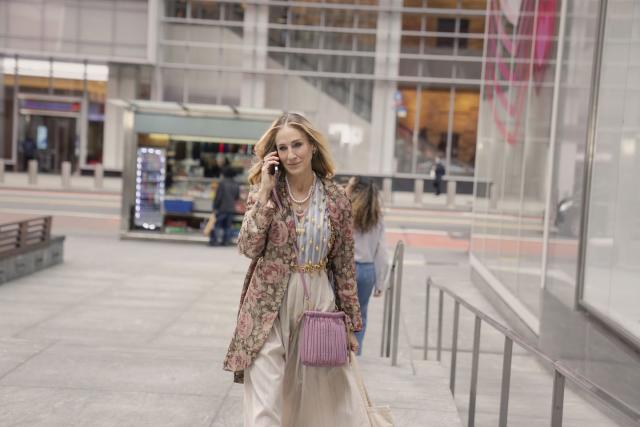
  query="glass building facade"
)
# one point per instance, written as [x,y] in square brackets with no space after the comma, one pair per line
[395,83]
[556,232]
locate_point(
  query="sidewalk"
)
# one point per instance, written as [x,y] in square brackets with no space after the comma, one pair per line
[129,333]
[47,182]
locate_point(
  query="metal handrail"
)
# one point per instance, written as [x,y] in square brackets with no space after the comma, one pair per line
[561,372]
[22,236]
[391,314]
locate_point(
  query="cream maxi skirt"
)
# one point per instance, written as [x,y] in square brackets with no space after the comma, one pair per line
[281,391]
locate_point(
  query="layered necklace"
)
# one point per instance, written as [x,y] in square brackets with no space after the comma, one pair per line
[299,208]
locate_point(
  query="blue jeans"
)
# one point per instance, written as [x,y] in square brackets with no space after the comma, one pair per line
[366,279]
[224,223]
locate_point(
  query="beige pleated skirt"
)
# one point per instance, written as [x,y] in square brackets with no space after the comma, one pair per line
[281,391]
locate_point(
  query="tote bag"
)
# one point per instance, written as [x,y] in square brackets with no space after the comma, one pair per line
[379,416]
[211,222]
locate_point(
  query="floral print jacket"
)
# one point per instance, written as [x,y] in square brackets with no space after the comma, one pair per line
[267,237]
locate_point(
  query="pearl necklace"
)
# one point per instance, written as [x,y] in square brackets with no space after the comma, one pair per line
[303,201]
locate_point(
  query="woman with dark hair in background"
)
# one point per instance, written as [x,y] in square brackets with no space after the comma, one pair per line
[372,260]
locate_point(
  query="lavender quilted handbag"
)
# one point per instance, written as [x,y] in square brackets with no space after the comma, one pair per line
[323,339]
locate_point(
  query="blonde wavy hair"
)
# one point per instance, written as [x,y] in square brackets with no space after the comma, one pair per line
[321,163]
[365,204]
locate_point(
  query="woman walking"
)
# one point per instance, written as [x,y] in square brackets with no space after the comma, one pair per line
[372,259]
[297,221]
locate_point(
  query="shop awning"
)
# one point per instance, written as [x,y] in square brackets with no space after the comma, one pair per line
[200,122]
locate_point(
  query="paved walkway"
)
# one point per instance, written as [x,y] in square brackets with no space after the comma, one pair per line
[133,333]
[129,333]
[19,180]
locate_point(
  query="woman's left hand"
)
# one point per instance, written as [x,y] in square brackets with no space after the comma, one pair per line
[353,342]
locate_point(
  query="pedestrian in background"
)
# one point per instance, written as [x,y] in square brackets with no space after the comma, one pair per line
[372,259]
[438,173]
[227,194]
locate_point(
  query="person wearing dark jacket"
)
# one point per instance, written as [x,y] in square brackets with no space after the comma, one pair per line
[439,172]
[227,194]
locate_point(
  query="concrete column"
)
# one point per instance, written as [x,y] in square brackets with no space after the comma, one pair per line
[418,189]
[33,172]
[254,45]
[66,174]
[98,176]
[383,115]
[121,86]
[451,194]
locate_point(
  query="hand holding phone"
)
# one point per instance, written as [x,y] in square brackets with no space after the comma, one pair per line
[273,169]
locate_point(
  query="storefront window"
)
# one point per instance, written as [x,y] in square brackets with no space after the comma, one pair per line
[176,8]
[95,137]
[6,114]
[67,87]
[427,115]
[32,84]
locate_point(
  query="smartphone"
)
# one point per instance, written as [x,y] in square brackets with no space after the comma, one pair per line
[273,169]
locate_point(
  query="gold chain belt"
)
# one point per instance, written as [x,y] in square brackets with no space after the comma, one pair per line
[309,267]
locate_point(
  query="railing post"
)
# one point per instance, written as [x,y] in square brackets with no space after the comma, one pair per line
[454,348]
[385,315]
[426,320]
[473,387]
[506,382]
[385,345]
[1,171]
[397,295]
[557,403]
[439,341]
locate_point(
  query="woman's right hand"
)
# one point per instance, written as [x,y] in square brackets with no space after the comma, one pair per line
[268,181]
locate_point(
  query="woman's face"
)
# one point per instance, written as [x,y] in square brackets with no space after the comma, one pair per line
[294,150]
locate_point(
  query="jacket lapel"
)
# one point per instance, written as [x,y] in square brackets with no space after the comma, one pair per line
[287,214]
[332,210]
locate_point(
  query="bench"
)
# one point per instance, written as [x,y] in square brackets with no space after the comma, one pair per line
[27,246]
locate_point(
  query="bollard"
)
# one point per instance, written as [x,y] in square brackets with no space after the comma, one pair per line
[66,174]
[98,175]
[451,194]
[493,196]
[1,171]
[418,188]
[386,190]
[33,172]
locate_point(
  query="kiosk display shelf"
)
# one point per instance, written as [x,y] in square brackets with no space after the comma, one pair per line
[150,177]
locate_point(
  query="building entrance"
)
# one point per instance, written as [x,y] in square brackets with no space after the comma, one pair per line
[49,140]
[48,132]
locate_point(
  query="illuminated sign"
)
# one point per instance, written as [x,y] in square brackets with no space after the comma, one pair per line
[57,106]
